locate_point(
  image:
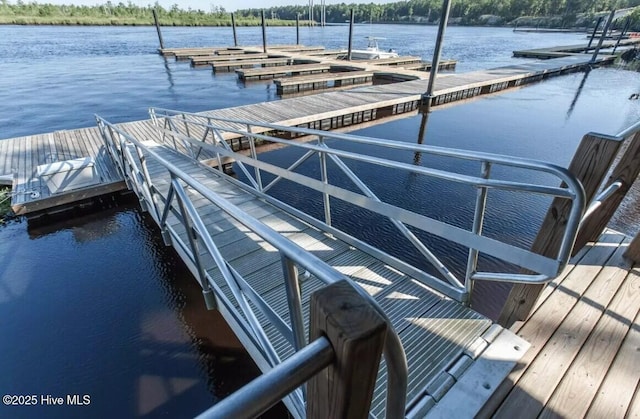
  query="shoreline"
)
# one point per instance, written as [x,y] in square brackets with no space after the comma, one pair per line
[24,21]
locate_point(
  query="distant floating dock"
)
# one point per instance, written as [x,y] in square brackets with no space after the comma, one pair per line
[594,302]
[327,111]
[567,50]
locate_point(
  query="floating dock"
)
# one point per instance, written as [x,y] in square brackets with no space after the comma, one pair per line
[322,81]
[584,335]
[584,330]
[327,111]
[567,50]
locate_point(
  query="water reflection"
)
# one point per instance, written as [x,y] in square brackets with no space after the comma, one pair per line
[421,134]
[99,306]
[167,70]
[577,95]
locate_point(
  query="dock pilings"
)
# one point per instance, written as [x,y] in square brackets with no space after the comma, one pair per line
[155,19]
[591,165]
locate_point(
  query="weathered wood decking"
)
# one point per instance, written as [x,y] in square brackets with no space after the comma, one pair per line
[330,110]
[20,157]
[567,50]
[322,81]
[333,110]
[286,70]
[585,338]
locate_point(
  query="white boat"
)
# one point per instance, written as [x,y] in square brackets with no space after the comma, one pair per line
[372,52]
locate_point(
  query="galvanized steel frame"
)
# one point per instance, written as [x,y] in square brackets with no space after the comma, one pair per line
[133,168]
[546,268]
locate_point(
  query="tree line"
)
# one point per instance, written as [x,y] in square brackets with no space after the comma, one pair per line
[568,13]
[558,13]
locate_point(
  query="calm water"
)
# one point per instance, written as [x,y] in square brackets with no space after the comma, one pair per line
[58,77]
[99,306]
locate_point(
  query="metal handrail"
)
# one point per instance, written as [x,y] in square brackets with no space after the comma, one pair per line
[474,240]
[629,130]
[614,184]
[393,351]
[263,392]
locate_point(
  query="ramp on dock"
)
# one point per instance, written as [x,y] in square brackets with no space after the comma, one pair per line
[230,247]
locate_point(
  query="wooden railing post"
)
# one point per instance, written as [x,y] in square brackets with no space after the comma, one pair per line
[590,165]
[633,251]
[357,333]
[626,171]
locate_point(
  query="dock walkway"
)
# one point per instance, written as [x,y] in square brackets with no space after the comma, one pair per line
[568,50]
[583,332]
[585,336]
[459,340]
[329,110]
[332,110]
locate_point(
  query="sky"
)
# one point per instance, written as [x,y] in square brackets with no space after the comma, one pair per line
[206,5]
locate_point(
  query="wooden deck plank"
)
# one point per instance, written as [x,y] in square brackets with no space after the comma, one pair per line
[208,59]
[559,328]
[614,396]
[634,409]
[582,380]
[260,73]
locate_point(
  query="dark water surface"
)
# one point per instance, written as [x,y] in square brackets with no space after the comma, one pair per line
[58,77]
[98,306]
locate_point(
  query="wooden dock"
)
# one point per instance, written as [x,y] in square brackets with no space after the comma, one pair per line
[21,156]
[585,337]
[567,50]
[333,110]
[330,110]
[288,70]
[203,61]
[322,81]
[250,64]
[584,331]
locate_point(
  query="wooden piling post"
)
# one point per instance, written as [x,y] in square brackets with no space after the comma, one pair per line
[233,25]
[590,165]
[264,35]
[626,171]
[298,29]
[155,18]
[633,251]
[357,333]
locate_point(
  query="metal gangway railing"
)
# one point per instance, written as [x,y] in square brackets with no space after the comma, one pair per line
[132,156]
[198,135]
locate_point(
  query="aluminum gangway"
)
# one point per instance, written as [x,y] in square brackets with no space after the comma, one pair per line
[258,259]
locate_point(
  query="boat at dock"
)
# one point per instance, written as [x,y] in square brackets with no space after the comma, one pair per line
[372,51]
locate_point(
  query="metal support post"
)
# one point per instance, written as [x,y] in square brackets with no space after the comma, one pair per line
[155,18]
[264,35]
[593,34]
[233,25]
[604,33]
[350,36]
[435,62]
